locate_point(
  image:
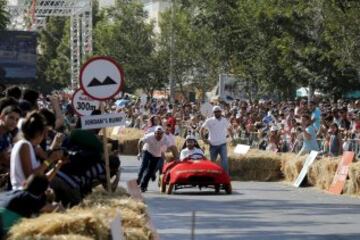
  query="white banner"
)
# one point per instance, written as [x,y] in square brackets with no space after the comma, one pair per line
[241,149]
[206,109]
[309,160]
[103,121]
[116,229]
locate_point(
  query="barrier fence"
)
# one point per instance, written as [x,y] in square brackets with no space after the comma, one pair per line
[252,139]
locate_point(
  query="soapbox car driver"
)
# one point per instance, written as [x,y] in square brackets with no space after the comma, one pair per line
[191,149]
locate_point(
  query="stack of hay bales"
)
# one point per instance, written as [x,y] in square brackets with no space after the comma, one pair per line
[322,172]
[291,165]
[256,165]
[90,220]
[60,237]
[128,140]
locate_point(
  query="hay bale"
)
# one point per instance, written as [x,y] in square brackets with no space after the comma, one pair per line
[322,172]
[354,178]
[137,234]
[133,212]
[129,147]
[90,219]
[291,165]
[128,140]
[256,165]
[179,142]
[60,237]
[95,200]
[81,222]
[350,188]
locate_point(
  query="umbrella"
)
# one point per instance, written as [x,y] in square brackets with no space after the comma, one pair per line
[122,102]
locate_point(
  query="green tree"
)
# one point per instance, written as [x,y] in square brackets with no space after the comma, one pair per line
[52,40]
[276,46]
[196,64]
[122,33]
[3,15]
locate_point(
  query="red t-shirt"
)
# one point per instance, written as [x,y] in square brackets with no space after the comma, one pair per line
[172,121]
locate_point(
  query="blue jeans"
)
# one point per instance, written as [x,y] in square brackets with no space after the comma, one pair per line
[222,150]
[147,169]
[159,166]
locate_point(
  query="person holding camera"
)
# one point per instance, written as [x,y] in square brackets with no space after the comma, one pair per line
[23,160]
[309,136]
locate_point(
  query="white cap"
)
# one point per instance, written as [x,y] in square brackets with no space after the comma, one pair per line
[274,128]
[159,129]
[190,137]
[216,108]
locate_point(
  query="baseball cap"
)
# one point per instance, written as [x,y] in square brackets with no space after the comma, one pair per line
[190,137]
[274,128]
[216,108]
[159,129]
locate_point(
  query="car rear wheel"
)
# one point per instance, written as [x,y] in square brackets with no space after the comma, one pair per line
[170,188]
[162,184]
[217,188]
[228,188]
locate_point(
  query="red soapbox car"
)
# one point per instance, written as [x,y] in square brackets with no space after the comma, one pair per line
[192,172]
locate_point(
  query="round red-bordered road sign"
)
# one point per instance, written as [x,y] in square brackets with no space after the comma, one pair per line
[101,78]
[83,104]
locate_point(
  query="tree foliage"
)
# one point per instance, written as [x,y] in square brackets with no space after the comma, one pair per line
[53,68]
[123,33]
[3,15]
[274,46]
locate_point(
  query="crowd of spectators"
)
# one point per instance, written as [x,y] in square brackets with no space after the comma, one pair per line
[329,127]
[46,160]
[41,138]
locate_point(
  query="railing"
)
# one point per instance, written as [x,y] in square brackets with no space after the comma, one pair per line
[252,139]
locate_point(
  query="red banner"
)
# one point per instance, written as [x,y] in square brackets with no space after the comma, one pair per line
[341,173]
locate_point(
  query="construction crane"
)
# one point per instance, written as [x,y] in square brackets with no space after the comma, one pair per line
[30,15]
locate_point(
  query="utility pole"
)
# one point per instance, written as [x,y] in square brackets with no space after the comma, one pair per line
[172,46]
[318,20]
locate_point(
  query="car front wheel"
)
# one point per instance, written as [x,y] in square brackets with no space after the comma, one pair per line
[170,188]
[228,188]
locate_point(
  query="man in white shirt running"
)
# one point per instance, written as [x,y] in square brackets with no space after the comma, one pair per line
[171,139]
[152,145]
[191,150]
[218,127]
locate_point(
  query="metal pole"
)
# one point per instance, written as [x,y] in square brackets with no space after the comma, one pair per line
[172,45]
[106,151]
[309,93]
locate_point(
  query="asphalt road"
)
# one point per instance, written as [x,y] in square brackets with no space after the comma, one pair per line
[255,211]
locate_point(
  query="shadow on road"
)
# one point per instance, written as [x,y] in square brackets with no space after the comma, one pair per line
[226,218]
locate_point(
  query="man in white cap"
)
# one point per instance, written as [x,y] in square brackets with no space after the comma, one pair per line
[218,127]
[152,145]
